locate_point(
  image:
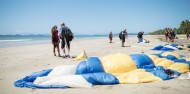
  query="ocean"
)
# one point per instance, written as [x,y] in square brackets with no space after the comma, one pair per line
[20,40]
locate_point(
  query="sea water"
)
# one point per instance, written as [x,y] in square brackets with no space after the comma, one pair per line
[20,40]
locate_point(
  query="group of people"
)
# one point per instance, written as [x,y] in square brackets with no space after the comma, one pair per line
[65,36]
[170,35]
[122,36]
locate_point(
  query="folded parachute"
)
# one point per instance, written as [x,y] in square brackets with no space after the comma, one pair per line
[109,70]
[171,47]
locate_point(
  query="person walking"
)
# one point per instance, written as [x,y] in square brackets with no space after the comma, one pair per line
[55,40]
[123,35]
[187,35]
[110,37]
[66,35]
[166,34]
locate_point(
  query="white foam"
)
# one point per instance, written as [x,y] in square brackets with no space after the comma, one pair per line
[17,40]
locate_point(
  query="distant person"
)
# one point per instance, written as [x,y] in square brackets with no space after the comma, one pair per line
[166,34]
[66,35]
[187,35]
[122,37]
[140,36]
[126,34]
[55,40]
[110,37]
[172,35]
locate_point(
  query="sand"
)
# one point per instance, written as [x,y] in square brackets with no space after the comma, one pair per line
[18,62]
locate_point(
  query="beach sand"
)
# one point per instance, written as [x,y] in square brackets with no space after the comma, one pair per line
[18,62]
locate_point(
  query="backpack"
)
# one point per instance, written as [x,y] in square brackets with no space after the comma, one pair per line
[120,35]
[68,34]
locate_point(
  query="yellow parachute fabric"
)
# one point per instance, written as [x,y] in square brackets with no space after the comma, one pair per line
[82,56]
[153,57]
[180,67]
[183,47]
[171,53]
[118,63]
[187,59]
[136,76]
[158,60]
[165,63]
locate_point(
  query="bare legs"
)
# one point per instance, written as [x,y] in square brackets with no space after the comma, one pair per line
[54,50]
[58,50]
[166,39]
[56,46]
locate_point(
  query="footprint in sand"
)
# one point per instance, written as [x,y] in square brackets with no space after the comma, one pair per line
[165,88]
[109,87]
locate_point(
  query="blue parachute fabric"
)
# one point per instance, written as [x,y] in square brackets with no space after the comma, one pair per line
[179,60]
[160,72]
[175,72]
[142,61]
[149,66]
[101,78]
[156,68]
[159,47]
[167,49]
[91,65]
[81,68]
[180,48]
[174,45]
[170,57]
[22,83]
[188,62]
[159,55]
[181,56]
[28,81]
[34,75]
[160,68]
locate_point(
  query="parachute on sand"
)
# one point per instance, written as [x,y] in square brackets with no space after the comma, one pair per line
[82,56]
[109,70]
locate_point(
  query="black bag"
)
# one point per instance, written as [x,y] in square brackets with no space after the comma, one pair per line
[68,34]
[120,35]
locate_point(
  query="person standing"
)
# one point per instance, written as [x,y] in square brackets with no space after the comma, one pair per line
[166,34]
[187,35]
[140,36]
[66,35]
[172,35]
[55,39]
[123,35]
[110,37]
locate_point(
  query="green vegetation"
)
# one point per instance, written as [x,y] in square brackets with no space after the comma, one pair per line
[183,29]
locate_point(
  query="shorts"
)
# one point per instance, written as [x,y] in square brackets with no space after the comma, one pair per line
[123,39]
[63,44]
[110,38]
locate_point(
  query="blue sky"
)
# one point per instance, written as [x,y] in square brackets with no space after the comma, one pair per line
[91,16]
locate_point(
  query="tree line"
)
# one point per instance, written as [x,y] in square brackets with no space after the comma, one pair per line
[183,29]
